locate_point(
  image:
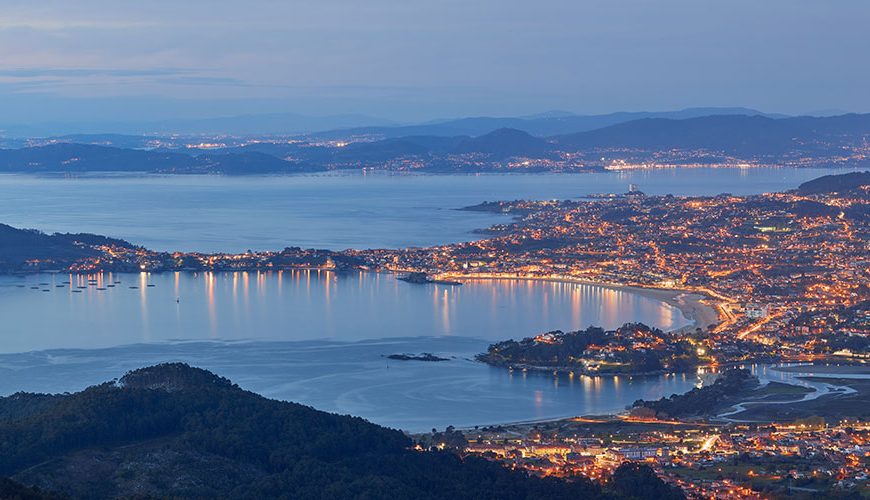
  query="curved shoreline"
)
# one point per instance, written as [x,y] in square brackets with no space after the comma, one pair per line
[827,370]
[820,389]
[688,302]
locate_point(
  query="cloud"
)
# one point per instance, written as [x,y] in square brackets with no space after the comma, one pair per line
[443,56]
[73,80]
[204,81]
[67,24]
[89,72]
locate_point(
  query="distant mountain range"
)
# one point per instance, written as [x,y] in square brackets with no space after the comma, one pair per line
[548,124]
[736,134]
[270,124]
[820,140]
[68,157]
[244,125]
[505,143]
[350,125]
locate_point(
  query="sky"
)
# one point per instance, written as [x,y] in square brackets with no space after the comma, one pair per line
[410,60]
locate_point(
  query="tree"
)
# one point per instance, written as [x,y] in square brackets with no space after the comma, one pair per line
[638,481]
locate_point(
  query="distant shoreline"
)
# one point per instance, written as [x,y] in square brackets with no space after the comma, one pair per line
[833,369]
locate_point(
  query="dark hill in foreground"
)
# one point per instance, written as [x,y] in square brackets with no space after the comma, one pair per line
[176,431]
[10,490]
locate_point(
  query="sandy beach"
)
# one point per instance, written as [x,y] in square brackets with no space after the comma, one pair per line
[691,304]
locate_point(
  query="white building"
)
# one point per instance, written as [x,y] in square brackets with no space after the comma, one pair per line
[753,310]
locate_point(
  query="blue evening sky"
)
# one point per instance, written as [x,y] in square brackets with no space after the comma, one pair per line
[414,60]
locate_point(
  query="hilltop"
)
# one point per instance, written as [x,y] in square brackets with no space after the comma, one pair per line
[26,248]
[72,157]
[172,430]
[543,125]
[505,143]
[836,183]
[572,144]
[739,135]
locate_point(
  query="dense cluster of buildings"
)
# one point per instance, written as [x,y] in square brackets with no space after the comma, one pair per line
[780,268]
[787,273]
[705,460]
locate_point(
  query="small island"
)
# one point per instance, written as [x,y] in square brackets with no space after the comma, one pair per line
[633,348]
[426,356]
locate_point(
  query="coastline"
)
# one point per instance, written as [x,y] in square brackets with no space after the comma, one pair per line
[843,369]
[690,303]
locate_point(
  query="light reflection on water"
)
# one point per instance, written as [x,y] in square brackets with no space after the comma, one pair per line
[306,336]
[299,305]
[355,378]
[274,327]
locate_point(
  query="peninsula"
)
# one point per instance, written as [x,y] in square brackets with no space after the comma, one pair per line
[761,276]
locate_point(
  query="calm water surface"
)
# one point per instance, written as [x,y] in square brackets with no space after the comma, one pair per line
[335,211]
[354,378]
[321,339]
[44,312]
[314,337]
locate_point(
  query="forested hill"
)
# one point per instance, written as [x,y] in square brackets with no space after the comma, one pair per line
[176,431]
[10,490]
[471,146]
[744,136]
[77,158]
[18,246]
[836,183]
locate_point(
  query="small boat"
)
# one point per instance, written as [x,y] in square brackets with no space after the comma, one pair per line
[100,288]
[60,286]
[151,286]
[133,287]
[76,291]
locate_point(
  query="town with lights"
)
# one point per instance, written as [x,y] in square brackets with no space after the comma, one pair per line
[775,278]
